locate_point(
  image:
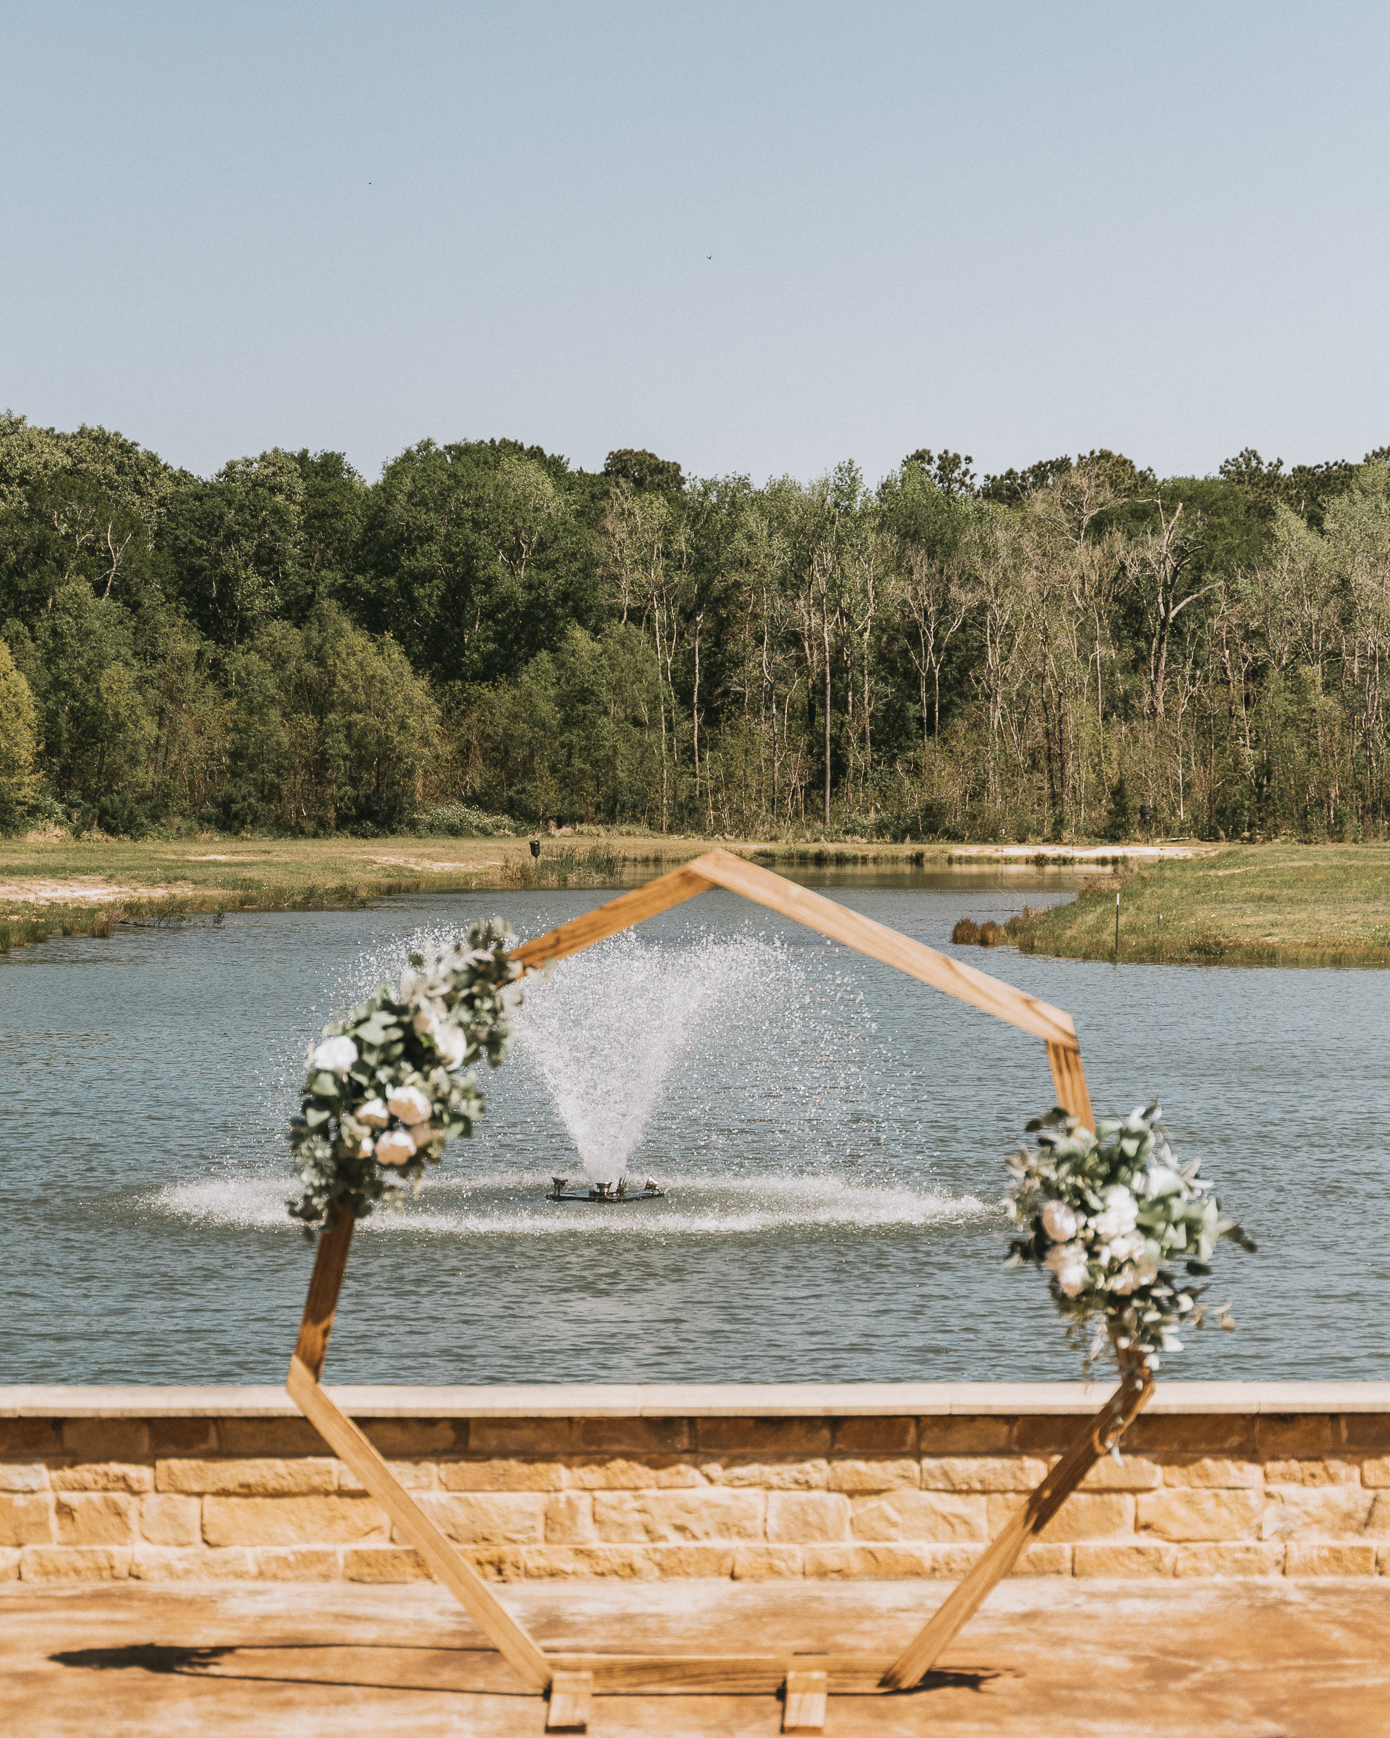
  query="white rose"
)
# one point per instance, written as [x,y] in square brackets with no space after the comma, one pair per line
[374,1113]
[1121,1212]
[1059,1222]
[451,1043]
[423,1133]
[1123,1282]
[409,1104]
[337,1055]
[1068,1262]
[395,1148]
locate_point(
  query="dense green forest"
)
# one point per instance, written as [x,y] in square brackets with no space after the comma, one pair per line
[1076,649]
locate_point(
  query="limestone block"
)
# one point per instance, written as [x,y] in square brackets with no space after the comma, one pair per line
[658,1516]
[1130,1473]
[290,1520]
[74,1563]
[1046,1435]
[589,1562]
[1362,1430]
[503,1475]
[298,1563]
[888,1562]
[1383,1559]
[495,1562]
[103,1476]
[1042,1559]
[1378,1521]
[859,1477]
[29,1438]
[982,1473]
[659,1472]
[1202,1515]
[766,1475]
[767,1563]
[1375,1474]
[1231,1434]
[414,1438]
[26,1520]
[1124,1559]
[794,1438]
[634,1435]
[1085,1515]
[161,1563]
[1206,1472]
[1296,1435]
[1311,1472]
[182,1437]
[569,1519]
[306,1475]
[18,1476]
[106,1439]
[1246,1559]
[268,1438]
[875,1436]
[167,1520]
[693,1562]
[9,1563]
[414,1475]
[534,1436]
[488,1518]
[807,1517]
[941,1517]
[964,1435]
[383,1563]
[94,1518]
[1339,1559]
[1317,1512]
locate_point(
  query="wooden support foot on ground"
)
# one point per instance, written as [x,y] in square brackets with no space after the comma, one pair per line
[803,1705]
[1095,1440]
[570,1695]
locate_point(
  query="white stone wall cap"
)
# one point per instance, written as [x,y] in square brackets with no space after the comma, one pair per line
[695,1400]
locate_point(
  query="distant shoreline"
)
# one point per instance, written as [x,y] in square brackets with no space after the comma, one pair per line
[1182,901]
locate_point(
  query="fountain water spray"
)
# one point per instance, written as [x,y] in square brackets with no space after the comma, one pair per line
[604,1031]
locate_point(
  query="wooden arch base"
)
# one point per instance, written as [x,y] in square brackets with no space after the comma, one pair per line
[804,1679]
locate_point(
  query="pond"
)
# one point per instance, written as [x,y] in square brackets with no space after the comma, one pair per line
[828,1133]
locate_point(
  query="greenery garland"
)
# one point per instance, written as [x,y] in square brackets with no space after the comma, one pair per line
[1102,1213]
[384,1091]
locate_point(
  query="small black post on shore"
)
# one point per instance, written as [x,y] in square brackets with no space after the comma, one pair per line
[1117,923]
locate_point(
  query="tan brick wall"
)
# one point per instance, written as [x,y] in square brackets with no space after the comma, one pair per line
[1207,1495]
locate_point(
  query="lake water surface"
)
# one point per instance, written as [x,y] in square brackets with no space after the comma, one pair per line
[829,1134]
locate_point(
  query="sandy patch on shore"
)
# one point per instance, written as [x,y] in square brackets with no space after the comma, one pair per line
[453,863]
[81,890]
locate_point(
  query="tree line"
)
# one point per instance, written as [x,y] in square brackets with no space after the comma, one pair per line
[1075,649]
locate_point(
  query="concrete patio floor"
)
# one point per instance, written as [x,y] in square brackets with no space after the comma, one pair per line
[1044,1659]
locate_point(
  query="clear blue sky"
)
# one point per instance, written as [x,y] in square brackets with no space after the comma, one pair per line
[1016,229]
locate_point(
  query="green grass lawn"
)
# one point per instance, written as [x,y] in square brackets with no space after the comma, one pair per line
[1253,905]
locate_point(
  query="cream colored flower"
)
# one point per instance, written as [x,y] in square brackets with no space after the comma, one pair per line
[396,1147]
[1059,1222]
[1120,1214]
[374,1113]
[423,1133]
[337,1055]
[408,1104]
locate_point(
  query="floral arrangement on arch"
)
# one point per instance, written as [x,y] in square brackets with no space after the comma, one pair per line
[1107,1216]
[385,1088]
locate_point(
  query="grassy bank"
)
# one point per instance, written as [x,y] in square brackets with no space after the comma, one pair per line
[65,886]
[1288,905]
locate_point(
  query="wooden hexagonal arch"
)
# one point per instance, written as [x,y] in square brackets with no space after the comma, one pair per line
[805,1679]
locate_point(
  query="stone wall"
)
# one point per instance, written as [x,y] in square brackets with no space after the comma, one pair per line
[831,1484]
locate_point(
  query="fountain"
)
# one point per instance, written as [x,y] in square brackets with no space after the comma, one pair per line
[604,1032]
